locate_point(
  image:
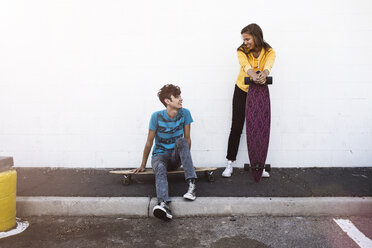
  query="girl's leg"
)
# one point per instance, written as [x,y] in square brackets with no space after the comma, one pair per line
[238,118]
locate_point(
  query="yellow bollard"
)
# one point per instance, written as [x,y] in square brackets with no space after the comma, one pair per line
[8,185]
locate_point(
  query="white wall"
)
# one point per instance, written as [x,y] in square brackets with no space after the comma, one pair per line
[78,79]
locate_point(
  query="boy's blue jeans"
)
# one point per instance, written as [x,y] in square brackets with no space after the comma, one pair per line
[172,161]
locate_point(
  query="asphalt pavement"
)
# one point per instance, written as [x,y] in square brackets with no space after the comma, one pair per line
[292,208]
[288,192]
[283,182]
[191,232]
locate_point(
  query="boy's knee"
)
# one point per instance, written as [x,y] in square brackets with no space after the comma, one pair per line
[160,168]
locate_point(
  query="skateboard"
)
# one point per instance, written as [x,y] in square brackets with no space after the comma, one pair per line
[257,126]
[127,174]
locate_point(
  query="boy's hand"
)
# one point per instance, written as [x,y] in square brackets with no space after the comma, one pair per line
[140,169]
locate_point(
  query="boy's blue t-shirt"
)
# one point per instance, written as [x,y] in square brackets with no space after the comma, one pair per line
[168,130]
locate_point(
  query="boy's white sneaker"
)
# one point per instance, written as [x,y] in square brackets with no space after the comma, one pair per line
[229,169]
[162,211]
[191,192]
[265,174]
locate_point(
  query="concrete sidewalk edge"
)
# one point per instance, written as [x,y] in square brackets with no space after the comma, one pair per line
[202,206]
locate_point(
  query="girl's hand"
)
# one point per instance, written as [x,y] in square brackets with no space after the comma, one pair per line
[261,79]
[256,78]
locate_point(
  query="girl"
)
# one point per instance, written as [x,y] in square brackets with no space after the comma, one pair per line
[256,58]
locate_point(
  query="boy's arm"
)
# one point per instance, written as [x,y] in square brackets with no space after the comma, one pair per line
[146,151]
[186,131]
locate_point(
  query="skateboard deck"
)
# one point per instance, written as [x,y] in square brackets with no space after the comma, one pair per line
[127,174]
[258,127]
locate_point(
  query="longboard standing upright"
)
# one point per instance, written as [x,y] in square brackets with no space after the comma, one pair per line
[257,126]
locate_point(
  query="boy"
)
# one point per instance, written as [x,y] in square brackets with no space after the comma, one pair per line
[171,130]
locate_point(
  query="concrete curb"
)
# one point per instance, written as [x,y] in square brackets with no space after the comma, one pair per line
[82,206]
[203,206]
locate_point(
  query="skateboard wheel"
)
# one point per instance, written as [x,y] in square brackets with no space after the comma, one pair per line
[126,180]
[246,167]
[267,167]
[211,178]
[256,167]
[209,175]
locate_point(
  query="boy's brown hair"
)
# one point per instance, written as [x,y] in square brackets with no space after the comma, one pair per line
[167,91]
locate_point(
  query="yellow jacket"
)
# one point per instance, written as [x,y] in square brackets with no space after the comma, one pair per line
[264,62]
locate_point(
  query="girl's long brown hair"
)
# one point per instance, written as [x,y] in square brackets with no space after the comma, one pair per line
[254,30]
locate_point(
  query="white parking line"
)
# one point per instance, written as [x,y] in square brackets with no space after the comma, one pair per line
[348,227]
